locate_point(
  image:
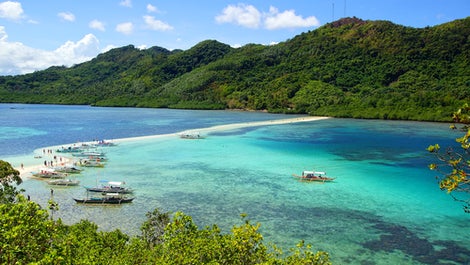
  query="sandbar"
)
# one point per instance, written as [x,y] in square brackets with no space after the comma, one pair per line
[227,127]
[25,171]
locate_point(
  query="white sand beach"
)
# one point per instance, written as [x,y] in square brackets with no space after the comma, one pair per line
[227,127]
[25,170]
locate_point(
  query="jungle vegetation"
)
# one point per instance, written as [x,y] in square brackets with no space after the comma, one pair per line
[348,68]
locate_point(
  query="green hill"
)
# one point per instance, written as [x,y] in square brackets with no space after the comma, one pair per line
[347,68]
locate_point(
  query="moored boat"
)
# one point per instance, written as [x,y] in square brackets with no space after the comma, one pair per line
[67,169]
[89,163]
[111,187]
[108,198]
[48,173]
[316,176]
[104,143]
[89,154]
[63,182]
[191,135]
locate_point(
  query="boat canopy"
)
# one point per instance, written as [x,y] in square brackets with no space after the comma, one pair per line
[115,183]
[313,172]
[113,194]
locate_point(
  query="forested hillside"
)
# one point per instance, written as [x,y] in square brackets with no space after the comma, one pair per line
[348,68]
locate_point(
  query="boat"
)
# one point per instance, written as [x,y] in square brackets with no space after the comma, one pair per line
[111,186]
[89,154]
[89,163]
[63,182]
[67,169]
[104,143]
[48,173]
[69,149]
[107,198]
[191,135]
[316,176]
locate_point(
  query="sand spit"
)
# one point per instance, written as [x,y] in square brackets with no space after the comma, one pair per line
[227,127]
[26,170]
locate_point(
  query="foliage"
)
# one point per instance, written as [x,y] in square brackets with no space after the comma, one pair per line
[454,167]
[154,228]
[26,233]
[348,68]
[9,178]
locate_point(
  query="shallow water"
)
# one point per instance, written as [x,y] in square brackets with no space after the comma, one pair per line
[384,207]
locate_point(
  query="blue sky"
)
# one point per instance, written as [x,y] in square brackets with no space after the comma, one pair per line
[37,34]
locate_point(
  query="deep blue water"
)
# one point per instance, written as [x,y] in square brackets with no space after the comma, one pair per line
[384,208]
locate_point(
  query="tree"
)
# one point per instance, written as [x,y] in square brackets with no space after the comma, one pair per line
[9,177]
[154,228]
[454,165]
[26,232]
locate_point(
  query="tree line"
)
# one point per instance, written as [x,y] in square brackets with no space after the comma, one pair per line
[348,68]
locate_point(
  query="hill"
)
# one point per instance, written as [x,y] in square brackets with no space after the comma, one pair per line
[347,68]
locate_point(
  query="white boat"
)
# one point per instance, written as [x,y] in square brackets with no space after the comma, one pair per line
[111,186]
[317,176]
[89,154]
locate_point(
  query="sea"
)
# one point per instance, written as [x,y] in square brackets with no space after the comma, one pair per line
[384,207]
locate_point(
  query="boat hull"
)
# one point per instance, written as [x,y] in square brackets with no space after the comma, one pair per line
[104,200]
[314,179]
[110,190]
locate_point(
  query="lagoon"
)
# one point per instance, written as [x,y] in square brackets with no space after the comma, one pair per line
[384,208]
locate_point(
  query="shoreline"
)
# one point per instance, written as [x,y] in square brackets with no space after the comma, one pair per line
[26,171]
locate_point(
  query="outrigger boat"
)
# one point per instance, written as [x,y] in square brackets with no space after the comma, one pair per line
[111,186]
[89,154]
[89,163]
[67,169]
[316,176]
[63,182]
[48,173]
[108,198]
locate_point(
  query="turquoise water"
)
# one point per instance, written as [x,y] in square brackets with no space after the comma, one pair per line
[384,208]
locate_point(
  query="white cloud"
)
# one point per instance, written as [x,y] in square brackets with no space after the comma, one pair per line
[287,19]
[81,50]
[96,24]
[11,10]
[241,14]
[152,9]
[248,16]
[126,3]
[125,28]
[156,24]
[67,16]
[17,58]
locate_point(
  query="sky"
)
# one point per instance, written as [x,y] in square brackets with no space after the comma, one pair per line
[37,34]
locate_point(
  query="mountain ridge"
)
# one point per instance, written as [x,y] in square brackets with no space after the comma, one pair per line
[347,68]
